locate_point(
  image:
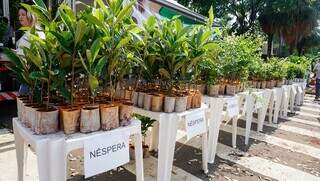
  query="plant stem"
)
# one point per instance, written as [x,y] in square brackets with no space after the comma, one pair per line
[111,88]
[48,88]
[72,76]
[41,92]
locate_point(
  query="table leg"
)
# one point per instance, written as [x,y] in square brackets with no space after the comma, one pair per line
[138,157]
[276,111]
[155,136]
[214,127]
[167,139]
[21,153]
[234,131]
[271,110]
[42,160]
[57,159]
[205,152]
[249,112]
[260,119]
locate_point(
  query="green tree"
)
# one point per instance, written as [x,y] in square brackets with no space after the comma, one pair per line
[242,15]
[292,20]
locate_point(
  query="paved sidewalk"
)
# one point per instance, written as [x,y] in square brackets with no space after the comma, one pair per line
[287,151]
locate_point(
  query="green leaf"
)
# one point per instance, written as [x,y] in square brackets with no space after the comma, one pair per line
[93,20]
[80,31]
[210,20]
[95,48]
[62,41]
[163,72]
[125,12]
[40,3]
[211,46]
[66,20]
[101,4]
[205,36]
[13,57]
[35,59]
[93,84]
[123,42]
[83,62]
[100,65]
[178,25]
[151,21]
[38,75]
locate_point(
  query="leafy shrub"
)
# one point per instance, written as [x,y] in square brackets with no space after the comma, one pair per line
[238,53]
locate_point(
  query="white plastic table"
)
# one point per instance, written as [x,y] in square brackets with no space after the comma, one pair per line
[52,149]
[166,132]
[275,104]
[286,97]
[300,87]
[255,101]
[215,116]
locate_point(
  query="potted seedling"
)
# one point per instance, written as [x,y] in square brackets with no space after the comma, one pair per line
[90,115]
[117,29]
[291,72]
[202,52]
[172,41]
[26,103]
[71,38]
[210,72]
[146,123]
[42,55]
[279,71]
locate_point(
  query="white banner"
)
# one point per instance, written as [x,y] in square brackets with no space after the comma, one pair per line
[105,152]
[232,107]
[195,124]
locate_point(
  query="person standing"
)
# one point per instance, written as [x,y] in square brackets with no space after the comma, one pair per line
[26,19]
[316,70]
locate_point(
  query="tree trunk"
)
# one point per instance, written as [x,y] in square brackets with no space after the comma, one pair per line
[300,48]
[269,50]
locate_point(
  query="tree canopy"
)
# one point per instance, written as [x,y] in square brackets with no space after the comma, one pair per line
[293,21]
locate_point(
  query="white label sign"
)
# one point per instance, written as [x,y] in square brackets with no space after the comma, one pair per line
[232,107]
[103,153]
[195,124]
[259,100]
